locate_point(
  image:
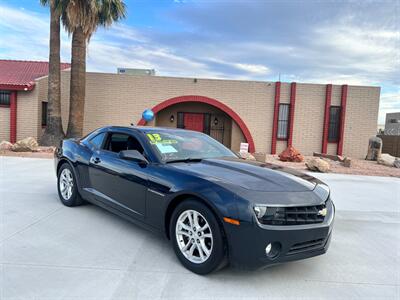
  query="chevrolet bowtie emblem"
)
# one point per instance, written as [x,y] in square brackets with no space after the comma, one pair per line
[322,212]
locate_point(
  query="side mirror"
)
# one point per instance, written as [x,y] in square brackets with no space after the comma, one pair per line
[133,155]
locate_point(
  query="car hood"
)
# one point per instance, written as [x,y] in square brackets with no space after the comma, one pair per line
[250,175]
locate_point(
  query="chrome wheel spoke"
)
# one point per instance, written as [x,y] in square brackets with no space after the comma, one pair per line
[191,250]
[189,216]
[202,229]
[204,247]
[187,246]
[196,219]
[183,226]
[185,233]
[200,250]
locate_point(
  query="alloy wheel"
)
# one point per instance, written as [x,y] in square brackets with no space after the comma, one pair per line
[66,184]
[194,236]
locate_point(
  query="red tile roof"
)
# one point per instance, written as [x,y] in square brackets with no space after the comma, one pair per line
[20,74]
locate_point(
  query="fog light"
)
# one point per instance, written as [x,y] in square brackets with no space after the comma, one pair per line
[268,249]
[272,250]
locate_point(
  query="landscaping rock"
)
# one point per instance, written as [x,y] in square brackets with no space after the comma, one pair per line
[317,164]
[330,156]
[386,159]
[396,163]
[44,149]
[5,146]
[346,162]
[246,155]
[291,154]
[260,156]
[26,145]
[374,148]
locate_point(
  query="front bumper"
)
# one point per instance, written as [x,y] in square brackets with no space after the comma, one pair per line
[247,241]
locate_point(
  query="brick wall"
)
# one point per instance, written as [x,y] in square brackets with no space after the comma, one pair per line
[361,119]
[4,124]
[113,99]
[309,118]
[27,113]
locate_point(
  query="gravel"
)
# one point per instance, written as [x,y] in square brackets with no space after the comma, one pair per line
[358,166]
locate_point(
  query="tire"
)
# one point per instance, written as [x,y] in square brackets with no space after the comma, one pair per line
[211,238]
[66,178]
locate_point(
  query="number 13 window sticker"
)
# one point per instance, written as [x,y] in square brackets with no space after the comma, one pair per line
[164,146]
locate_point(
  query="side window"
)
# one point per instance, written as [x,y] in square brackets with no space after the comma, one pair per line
[283,121]
[5,98]
[118,142]
[334,123]
[44,113]
[97,141]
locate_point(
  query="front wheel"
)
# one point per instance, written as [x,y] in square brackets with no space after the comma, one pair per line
[67,186]
[197,237]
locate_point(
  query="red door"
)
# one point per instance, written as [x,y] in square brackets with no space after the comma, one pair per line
[193,121]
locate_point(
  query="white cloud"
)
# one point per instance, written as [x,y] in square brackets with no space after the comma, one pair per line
[252,68]
[340,50]
[26,35]
[361,49]
[390,102]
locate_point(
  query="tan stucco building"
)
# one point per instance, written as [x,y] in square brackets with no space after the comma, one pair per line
[335,119]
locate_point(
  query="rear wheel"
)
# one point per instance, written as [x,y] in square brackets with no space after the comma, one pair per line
[67,186]
[197,237]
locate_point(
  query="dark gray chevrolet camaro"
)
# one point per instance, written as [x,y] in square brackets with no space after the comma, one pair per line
[214,207]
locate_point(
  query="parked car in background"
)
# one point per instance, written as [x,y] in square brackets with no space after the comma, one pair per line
[214,207]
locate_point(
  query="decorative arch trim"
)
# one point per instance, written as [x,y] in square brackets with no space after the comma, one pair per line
[212,102]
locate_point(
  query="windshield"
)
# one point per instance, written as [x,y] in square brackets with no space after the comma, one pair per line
[185,145]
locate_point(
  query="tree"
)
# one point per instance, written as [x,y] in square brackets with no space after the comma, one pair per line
[81,18]
[54,132]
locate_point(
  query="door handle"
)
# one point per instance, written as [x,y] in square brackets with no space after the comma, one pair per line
[96,160]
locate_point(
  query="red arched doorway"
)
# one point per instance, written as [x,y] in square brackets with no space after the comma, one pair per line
[210,101]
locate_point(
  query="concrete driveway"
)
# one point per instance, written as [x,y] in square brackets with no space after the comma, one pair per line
[49,251]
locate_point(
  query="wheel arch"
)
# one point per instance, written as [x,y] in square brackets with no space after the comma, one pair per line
[182,197]
[62,161]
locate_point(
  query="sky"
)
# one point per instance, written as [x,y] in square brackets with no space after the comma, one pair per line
[339,42]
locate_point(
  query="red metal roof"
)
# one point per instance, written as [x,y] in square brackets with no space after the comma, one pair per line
[20,74]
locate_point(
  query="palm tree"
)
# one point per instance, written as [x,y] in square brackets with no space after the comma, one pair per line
[54,132]
[81,18]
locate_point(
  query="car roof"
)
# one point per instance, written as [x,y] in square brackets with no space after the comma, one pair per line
[144,128]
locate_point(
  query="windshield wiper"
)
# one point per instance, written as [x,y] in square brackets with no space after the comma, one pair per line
[186,160]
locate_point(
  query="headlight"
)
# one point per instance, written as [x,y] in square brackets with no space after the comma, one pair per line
[322,191]
[260,211]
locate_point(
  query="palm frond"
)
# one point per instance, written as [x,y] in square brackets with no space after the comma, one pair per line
[89,14]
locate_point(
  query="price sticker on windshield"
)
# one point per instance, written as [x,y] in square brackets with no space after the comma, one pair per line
[164,149]
[155,138]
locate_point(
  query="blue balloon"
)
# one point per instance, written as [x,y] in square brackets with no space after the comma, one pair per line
[148,115]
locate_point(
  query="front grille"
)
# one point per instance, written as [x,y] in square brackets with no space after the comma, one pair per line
[306,246]
[299,215]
